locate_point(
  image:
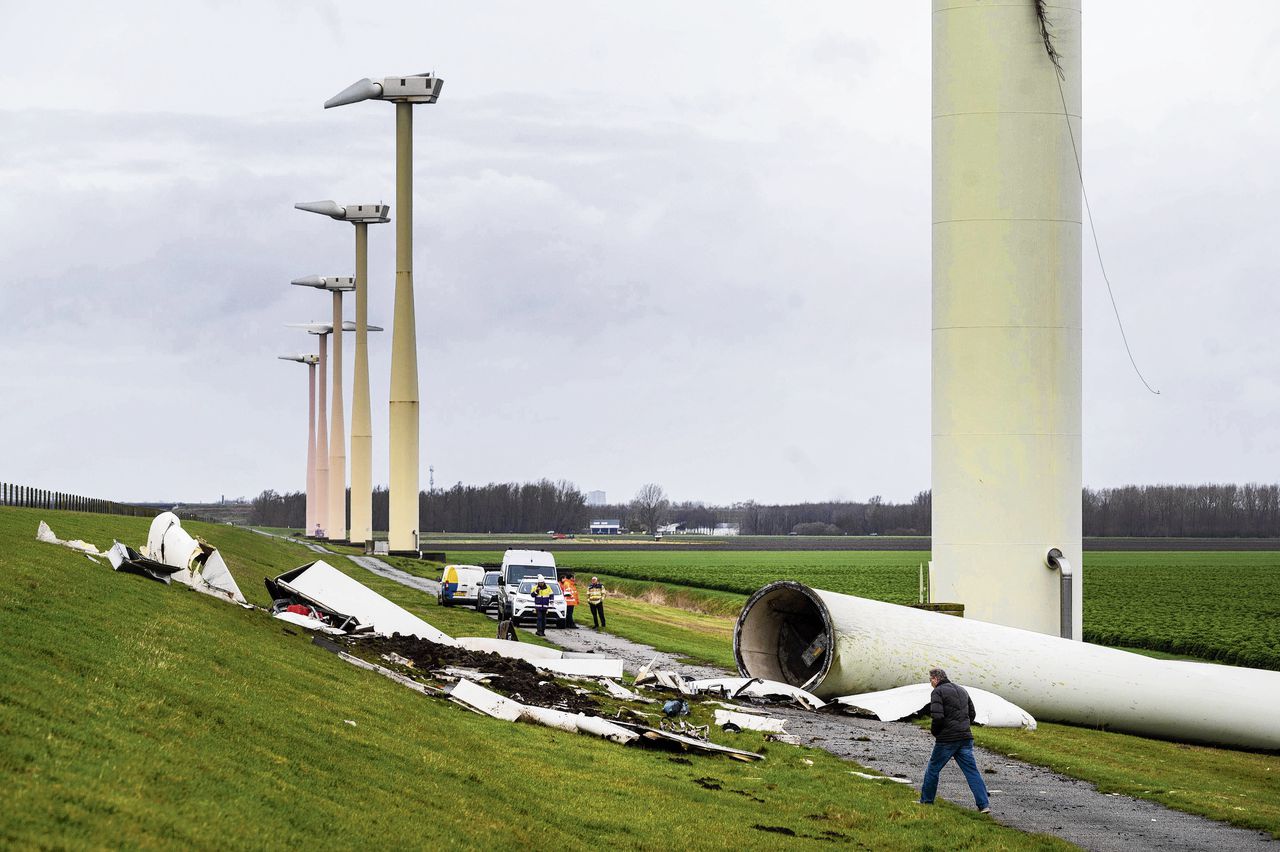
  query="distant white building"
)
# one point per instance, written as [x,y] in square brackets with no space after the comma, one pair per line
[606,527]
[595,498]
[727,529]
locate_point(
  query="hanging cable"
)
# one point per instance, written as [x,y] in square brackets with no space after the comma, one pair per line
[1075,151]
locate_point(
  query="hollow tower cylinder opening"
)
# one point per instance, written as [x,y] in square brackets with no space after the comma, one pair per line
[784,634]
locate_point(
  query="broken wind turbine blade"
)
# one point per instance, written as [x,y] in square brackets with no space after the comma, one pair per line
[199,565]
[759,689]
[889,705]
[45,534]
[879,646]
[750,722]
[490,703]
[125,558]
[328,589]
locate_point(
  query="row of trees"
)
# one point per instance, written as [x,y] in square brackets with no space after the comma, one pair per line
[1136,510]
[1244,511]
[500,507]
[838,518]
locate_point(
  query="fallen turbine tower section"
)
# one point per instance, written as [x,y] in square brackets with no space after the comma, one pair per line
[837,645]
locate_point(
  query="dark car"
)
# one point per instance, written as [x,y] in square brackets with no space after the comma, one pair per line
[487,591]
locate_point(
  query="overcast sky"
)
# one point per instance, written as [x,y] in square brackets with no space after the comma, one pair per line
[668,242]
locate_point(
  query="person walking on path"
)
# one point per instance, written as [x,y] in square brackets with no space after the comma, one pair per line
[952,712]
[595,597]
[541,600]
[570,586]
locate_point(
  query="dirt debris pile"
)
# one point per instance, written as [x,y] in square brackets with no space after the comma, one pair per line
[510,676]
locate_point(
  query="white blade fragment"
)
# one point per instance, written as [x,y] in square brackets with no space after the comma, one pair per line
[889,705]
[750,722]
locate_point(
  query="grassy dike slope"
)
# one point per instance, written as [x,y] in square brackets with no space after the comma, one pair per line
[134,714]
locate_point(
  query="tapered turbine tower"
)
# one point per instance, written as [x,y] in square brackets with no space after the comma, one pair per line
[404,475]
[337,505]
[311,361]
[362,216]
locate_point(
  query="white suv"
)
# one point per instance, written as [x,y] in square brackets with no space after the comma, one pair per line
[520,602]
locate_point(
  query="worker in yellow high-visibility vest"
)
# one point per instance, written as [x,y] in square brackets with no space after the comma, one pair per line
[542,595]
[595,598]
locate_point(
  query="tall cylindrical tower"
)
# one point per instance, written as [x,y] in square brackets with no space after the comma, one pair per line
[322,442]
[337,529]
[310,525]
[361,422]
[403,423]
[1006,310]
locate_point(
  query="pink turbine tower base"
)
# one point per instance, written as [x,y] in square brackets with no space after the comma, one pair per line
[311,361]
[322,450]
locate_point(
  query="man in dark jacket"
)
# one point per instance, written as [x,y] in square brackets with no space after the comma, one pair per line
[952,711]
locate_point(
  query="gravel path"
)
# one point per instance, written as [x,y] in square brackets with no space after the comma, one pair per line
[1027,797]
[1023,796]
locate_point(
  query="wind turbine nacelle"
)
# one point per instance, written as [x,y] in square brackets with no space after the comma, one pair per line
[368,213]
[420,89]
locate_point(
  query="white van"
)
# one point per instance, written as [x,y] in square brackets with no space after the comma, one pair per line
[459,584]
[520,565]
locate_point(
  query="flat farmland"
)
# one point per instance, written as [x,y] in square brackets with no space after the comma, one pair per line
[1213,605]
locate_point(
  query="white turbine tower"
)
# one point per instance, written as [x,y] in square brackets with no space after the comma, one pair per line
[1006,312]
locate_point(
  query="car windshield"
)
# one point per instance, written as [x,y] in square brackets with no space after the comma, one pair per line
[526,572]
[526,587]
[491,579]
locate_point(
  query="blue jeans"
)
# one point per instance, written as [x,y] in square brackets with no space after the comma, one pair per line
[962,751]
[542,619]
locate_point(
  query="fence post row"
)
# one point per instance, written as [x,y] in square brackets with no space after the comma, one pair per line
[25,496]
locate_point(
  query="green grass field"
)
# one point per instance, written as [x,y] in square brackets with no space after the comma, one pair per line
[1218,606]
[1239,787]
[134,714]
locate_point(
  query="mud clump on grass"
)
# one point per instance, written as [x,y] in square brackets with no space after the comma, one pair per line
[512,677]
[776,829]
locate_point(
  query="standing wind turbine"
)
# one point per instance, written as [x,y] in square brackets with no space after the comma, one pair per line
[362,216]
[403,479]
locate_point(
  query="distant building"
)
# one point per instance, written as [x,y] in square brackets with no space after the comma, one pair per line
[595,498]
[671,529]
[606,527]
[727,529]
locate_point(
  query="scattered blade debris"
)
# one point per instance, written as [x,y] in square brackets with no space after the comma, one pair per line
[199,564]
[725,719]
[43,533]
[348,604]
[125,558]
[889,705]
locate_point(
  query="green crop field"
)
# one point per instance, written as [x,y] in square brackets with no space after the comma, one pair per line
[1211,605]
